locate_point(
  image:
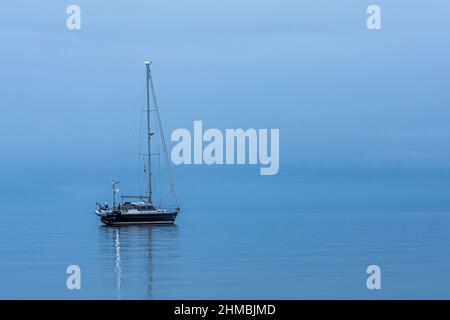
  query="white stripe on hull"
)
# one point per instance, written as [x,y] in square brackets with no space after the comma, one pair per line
[141,222]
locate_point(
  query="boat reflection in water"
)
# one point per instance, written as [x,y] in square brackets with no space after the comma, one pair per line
[140,257]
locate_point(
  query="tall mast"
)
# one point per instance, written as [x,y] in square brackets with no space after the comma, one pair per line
[149,199]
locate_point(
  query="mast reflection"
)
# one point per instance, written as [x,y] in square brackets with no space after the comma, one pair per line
[118,268]
[134,250]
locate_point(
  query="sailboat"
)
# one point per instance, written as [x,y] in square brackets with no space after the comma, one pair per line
[140,209]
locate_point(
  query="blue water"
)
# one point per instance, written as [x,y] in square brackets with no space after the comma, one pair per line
[309,232]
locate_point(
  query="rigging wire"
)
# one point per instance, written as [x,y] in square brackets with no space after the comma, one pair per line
[160,144]
[169,173]
[141,177]
[131,133]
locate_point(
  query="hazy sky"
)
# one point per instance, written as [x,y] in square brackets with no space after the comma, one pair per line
[339,93]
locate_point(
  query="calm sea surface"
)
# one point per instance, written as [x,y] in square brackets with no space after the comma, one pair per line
[305,233]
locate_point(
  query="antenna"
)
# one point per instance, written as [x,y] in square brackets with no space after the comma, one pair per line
[114,190]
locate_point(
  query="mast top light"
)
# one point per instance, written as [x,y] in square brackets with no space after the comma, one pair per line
[147,62]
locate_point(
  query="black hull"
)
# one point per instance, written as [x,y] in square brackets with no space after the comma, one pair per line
[142,218]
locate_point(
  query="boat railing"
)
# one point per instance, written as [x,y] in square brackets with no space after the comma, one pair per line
[141,197]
